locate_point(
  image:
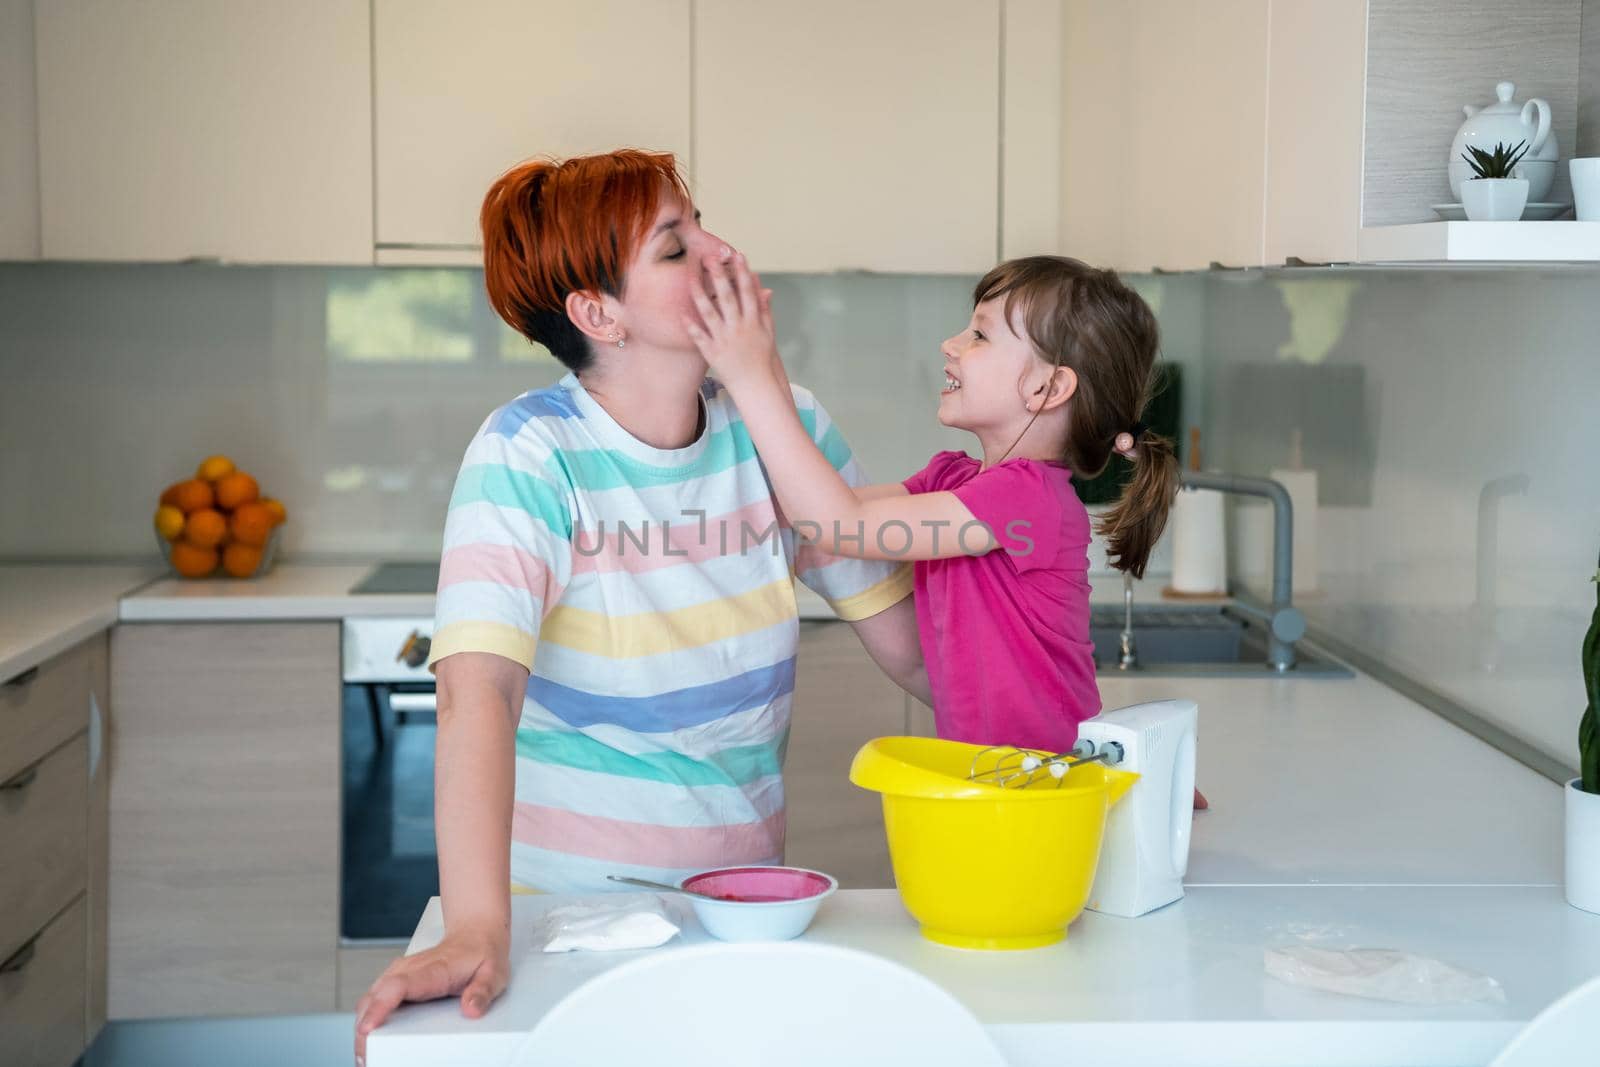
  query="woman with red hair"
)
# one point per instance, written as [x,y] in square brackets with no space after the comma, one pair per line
[616,621]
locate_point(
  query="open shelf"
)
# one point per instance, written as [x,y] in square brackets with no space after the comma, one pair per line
[1482,242]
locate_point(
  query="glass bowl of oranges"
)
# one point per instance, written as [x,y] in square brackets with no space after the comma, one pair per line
[218,523]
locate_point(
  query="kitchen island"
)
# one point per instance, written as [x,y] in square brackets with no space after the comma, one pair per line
[1343,816]
[1182,986]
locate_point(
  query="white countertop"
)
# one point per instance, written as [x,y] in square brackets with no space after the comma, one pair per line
[1343,781]
[1184,985]
[313,590]
[305,591]
[287,591]
[46,608]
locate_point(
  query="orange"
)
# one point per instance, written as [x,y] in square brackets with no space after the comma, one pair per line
[192,561]
[251,524]
[192,495]
[241,560]
[280,514]
[214,467]
[169,495]
[205,528]
[169,522]
[236,488]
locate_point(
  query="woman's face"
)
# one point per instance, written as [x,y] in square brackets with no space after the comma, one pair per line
[666,268]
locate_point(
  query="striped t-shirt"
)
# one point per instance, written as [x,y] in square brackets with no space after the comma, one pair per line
[650,593]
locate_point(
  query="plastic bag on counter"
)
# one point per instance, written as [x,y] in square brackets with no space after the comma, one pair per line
[605,924]
[1380,974]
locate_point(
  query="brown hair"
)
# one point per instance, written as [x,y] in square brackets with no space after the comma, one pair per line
[1088,320]
[552,227]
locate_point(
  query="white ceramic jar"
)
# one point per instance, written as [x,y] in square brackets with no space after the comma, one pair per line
[1507,122]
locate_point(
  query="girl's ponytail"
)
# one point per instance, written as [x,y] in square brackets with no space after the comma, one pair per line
[1133,525]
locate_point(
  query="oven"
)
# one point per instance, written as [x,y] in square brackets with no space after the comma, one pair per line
[389,865]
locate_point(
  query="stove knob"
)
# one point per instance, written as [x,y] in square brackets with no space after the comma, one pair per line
[414,653]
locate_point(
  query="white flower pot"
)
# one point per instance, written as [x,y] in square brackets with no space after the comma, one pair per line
[1583,848]
[1494,199]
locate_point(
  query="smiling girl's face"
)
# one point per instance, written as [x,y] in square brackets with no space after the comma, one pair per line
[990,368]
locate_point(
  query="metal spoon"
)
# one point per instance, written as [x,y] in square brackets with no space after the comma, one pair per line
[664,887]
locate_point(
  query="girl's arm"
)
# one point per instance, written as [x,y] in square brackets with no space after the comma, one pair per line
[874,492]
[735,337]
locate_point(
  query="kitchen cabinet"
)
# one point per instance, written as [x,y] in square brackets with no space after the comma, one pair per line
[463,91]
[19,135]
[176,129]
[99,857]
[1164,132]
[48,889]
[842,701]
[1316,63]
[224,834]
[1030,143]
[837,135]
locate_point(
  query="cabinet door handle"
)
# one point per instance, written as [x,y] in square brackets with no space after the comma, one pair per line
[21,780]
[20,680]
[20,958]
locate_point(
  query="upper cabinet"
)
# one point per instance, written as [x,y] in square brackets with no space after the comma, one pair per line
[1031,163]
[840,135]
[465,90]
[1164,132]
[19,137]
[917,136]
[172,129]
[1315,84]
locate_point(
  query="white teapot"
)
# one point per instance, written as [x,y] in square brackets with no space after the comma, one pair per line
[1506,122]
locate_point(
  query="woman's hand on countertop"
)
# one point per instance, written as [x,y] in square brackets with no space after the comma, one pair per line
[472,963]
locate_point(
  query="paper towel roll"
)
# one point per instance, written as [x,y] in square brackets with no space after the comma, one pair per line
[1302,487]
[1199,547]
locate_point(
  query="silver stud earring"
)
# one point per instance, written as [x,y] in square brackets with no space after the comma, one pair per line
[621,341]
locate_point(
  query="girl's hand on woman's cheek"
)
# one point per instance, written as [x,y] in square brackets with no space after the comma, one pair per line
[734,332]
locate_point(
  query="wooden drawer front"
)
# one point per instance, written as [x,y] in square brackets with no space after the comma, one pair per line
[41,708]
[42,995]
[43,841]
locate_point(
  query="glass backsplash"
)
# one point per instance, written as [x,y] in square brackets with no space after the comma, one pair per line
[1451,418]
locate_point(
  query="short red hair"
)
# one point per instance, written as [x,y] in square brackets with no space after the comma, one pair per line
[553,227]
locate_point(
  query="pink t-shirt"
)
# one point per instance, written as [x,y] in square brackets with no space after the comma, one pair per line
[1006,635]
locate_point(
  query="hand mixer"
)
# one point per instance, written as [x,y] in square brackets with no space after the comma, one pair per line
[1145,852]
[1019,768]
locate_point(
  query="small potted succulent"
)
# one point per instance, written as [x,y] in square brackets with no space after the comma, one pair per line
[1491,194]
[1583,792]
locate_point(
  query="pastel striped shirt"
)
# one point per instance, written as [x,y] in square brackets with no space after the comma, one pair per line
[650,594]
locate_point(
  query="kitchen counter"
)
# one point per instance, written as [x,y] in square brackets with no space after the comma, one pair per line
[1183,985]
[46,608]
[305,591]
[287,591]
[1317,781]
[313,590]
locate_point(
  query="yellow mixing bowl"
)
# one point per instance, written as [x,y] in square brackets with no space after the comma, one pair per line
[980,866]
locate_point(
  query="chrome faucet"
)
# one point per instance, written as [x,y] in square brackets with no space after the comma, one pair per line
[1285,624]
[1129,658]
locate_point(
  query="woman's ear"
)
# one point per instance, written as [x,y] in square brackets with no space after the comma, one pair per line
[1063,382]
[590,313]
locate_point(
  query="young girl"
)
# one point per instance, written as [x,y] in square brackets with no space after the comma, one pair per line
[1050,376]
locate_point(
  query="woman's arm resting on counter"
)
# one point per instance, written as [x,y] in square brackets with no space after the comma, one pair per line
[480,701]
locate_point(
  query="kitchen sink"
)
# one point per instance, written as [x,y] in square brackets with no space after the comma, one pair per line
[1199,640]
